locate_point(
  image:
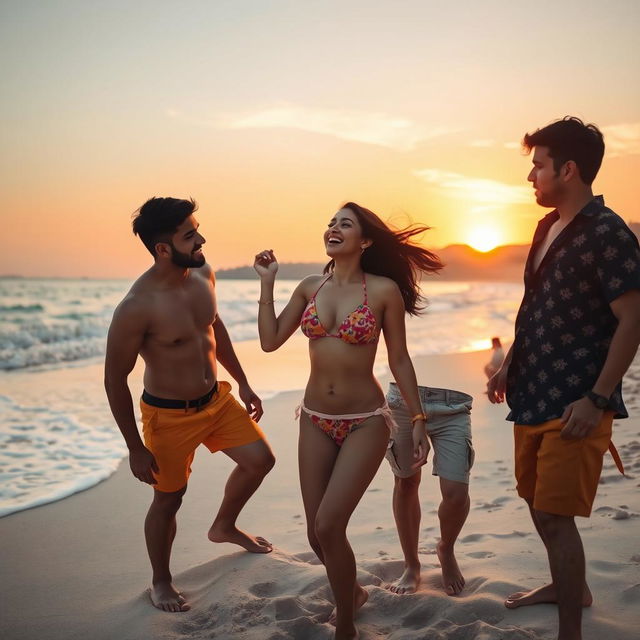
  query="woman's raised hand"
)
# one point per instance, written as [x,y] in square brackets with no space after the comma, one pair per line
[265,263]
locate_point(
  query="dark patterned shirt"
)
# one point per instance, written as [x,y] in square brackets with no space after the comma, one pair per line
[565,324]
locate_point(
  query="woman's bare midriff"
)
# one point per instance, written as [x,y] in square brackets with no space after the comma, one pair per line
[341,379]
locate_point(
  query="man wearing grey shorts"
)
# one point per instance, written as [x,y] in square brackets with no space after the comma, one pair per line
[449,431]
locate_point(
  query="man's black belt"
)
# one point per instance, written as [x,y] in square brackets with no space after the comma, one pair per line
[166,403]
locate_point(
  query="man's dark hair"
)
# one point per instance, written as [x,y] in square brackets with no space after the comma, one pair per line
[159,218]
[570,139]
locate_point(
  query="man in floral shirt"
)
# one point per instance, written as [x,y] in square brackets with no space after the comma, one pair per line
[577,331]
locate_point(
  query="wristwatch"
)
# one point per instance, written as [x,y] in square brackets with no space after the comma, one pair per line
[601,402]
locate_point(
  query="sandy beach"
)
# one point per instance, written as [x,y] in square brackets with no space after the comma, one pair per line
[139,137]
[77,568]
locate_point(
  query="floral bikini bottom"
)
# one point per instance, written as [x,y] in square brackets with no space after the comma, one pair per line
[338,427]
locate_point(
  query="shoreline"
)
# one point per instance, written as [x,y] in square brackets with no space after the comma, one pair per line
[78,567]
[270,374]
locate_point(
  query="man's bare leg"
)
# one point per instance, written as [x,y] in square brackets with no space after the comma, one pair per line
[453,512]
[160,531]
[546,594]
[407,513]
[567,564]
[253,461]
[543,595]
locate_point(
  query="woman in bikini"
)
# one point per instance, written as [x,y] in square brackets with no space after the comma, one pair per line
[345,423]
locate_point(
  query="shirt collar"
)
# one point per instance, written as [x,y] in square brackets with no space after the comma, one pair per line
[592,207]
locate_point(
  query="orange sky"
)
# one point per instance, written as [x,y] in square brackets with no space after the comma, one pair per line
[273,114]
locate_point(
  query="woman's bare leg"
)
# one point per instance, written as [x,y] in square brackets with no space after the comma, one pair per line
[317,454]
[357,462]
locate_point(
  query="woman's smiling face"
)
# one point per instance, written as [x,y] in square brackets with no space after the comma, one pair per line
[343,234]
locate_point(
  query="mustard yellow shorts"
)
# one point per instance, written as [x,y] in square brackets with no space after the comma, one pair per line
[173,435]
[556,475]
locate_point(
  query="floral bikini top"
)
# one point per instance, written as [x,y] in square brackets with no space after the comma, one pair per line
[359,327]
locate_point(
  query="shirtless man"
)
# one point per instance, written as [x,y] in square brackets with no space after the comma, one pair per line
[170,318]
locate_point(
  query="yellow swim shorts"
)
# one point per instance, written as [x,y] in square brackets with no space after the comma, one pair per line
[173,435]
[556,475]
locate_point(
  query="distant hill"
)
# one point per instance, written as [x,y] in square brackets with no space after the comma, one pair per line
[502,263]
[286,271]
[461,263]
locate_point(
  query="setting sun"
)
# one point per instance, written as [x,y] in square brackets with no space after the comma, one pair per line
[483,238]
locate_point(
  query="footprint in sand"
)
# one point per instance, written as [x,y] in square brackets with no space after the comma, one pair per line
[300,627]
[474,537]
[632,594]
[481,554]
[496,503]
[307,556]
[514,534]
[602,566]
[616,477]
[289,608]
[604,509]
[263,589]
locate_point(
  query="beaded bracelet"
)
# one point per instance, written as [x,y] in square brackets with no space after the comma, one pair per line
[418,416]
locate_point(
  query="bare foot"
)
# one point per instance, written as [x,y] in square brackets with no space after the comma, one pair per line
[350,634]
[360,596]
[407,583]
[254,544]
[542,595]
[452,578]
[166,597]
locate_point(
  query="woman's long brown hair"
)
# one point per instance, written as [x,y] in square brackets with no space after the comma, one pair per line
[393,255]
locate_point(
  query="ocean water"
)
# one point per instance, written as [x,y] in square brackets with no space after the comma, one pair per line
[57,435]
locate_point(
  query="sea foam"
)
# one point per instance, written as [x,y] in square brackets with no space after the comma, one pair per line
[57,435]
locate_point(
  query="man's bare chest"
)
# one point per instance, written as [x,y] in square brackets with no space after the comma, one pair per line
[545,244]
[183,316]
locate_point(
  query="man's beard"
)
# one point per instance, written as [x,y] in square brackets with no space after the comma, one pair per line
[186,260]
[552,197]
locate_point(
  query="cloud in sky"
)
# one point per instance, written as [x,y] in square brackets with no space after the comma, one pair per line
[622,139]
[482,190]
[359,126]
